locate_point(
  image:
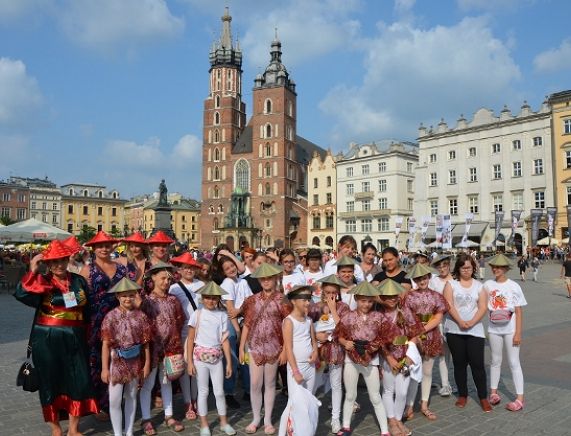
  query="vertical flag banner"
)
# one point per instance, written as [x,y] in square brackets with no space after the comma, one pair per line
[516,215]
[438,229]
[536,215]
[568,220]
[499,219]
[551,212]
[468,223]
[425,223]
[411,231]
[447,233]
[398,225]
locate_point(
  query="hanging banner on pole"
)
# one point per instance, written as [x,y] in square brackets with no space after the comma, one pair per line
[447,233]
[411,232]
[499,218]
[438,229]
[467,225]
[568,220]
[536,215]
[425,223]
[398,225]
[516,215]
[551,212]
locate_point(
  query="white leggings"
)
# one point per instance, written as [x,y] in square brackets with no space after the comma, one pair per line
[496,342]
[425,385]
[166,392]
[264,375]
[336,382]
[370,374]
[307,371]
[116,394]
[395,388]
[214,371]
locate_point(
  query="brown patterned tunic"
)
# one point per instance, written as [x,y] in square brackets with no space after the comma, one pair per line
[332,352]
[407,325]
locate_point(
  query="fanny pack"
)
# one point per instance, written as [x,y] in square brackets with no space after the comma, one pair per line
[129,352]
[424,317]
[174,366]
[500,317]
[207,354]
[400,340]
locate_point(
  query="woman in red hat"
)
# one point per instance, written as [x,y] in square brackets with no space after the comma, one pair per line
[159,252]
[101,275]
[59,350]
[137,259]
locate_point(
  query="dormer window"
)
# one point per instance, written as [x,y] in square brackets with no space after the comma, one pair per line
[85,193]
[70,191]
[100,194]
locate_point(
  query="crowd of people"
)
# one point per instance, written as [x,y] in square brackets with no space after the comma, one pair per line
[144,325]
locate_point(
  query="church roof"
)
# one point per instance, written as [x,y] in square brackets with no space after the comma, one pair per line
[244,142]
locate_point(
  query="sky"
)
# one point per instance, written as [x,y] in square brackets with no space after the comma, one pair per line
[112,91]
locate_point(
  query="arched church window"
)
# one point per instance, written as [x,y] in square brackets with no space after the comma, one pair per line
[268,106]
[216,154]
[216,118]
[217,101]
[268,130]
[242,175]
[216,136]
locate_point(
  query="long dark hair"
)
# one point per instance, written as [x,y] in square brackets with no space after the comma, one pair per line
[460,261]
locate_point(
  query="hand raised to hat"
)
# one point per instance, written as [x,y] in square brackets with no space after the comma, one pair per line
[35,263]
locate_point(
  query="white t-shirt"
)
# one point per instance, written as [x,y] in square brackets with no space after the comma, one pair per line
[291,280]
[331,268]
[311,278]
[437,284]
[177,291]
[466,303]
[237,290]
[212,327]
[504,296]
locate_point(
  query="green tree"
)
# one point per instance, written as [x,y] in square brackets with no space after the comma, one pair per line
[5,220]
[115,233]
[86,233]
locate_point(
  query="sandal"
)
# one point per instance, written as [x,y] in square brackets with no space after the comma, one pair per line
[190,412]
[395,429]
[148,428]
[251,429]
[404,429]
[173,424]
[515,405]
[495,399]
[409,414]
[269,429]
[429,414]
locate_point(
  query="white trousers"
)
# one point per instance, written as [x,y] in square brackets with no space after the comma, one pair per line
[496,343]
[166,392]
[426,383]
[395,388]
[214,372]
[307,371]
[370,374]
[116,394]
[336,383]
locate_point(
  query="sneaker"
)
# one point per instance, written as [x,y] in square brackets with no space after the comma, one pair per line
[335,426]
[228,429]
[445,391]
[231,402]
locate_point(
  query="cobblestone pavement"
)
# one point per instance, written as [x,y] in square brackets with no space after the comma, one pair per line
[546,360]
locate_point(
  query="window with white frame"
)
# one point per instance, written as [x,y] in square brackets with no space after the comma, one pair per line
[538,166]
[498,202]
[328,181]
[350,226]
[496,148]
[382,167]
[451,177]
[366,186]
[315,182]
[410,203]
[315,199]
[497,171]
[432,158]
[382,185]
[568,159]
[350,189]
[316,221]
[410,185]
[366,205]
[365,169]
[383,224]
[349,172]
[517,201]
[452,155]
[433,179]
[409,167]
[350,206]
[473,206]
[367,225]
[568,195]
[537,141]
[383,203]
[539,197]
[516,145]
[328,198]
[516,169]
[453,206]
[433,207]
[567,126]
[473,174]
[472,152]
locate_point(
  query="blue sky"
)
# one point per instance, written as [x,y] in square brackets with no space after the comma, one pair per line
[111,91]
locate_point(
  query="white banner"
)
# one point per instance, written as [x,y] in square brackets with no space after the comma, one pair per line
[411,232]
[446,233]
[467,225]
[398,225]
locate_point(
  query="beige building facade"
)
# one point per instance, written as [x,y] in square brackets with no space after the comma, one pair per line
[322,201]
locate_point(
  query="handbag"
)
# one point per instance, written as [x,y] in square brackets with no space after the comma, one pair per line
[174,366]
[206,354]
[500,317]
[28,376]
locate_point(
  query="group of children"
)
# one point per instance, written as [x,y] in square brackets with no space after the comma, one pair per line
[323,330]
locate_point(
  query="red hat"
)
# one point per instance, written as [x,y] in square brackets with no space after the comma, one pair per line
[56,250]
[136,237]
[187,259]
[101,238]
[73,244]
[160,238]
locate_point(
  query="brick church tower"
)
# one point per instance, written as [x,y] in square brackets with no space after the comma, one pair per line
[253,176]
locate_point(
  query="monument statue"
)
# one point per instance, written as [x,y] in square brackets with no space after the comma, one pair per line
[163,194]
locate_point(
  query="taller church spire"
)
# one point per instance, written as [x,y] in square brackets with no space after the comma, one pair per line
[223,52]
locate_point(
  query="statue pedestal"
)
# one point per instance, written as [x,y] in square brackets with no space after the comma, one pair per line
[163,221]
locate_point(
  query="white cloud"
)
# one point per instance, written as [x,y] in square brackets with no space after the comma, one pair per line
[187,149]
[11,10]
[130,154]
[492,6]
[413,75]
[20,94]
[109,25]
[556,59]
